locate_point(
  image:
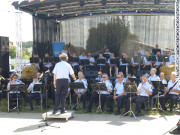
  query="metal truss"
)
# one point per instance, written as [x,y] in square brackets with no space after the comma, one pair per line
[177,38]
[18,62]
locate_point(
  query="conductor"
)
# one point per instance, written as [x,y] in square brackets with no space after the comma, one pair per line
[61,72]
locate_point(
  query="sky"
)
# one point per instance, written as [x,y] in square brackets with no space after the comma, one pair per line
[8,22]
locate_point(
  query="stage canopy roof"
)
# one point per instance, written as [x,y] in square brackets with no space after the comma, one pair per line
[64,9]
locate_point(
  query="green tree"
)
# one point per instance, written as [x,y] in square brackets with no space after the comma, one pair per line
[26,54]
[28,44]
[12,52]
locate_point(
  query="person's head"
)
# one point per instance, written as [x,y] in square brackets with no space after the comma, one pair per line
[147,53]
[158,53]
[120,77]
[112,55]
[140,47]
[161,75]
[35,55]
[46,55]
[14,77]
[169,53]
[173,76]
[89,54]
[64,47]
[107,50]
[63,57]
[35,79]
[135,54]
[105,77]
[83,54]
[144,78]
[80,75]
[153,71]
[99,74]
[100,54]
[74,54]
[124,55]
[157,46]
[128,76]
[38,74]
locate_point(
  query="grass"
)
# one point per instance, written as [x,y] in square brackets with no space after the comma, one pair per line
[37,109]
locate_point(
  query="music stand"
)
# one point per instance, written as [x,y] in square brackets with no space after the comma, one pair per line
[99,87]
[166,59]
[101,62]
[38,88]
[130,88]
[17,88]
[157,86]
[107,56]
[77,85]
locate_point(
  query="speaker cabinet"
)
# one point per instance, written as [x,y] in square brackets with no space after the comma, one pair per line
[4,56]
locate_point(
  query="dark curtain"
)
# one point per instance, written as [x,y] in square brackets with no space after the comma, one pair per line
[44,33]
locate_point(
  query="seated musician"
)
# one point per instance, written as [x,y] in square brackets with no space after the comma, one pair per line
[143,91]
[161,76]
[104,95]
[80,93]
[146,64]
[112,66]
[47,65]
[33,94]
[119,93]
[124,79]
[83,56]
[135,62]
[153,77]
[141,51]
[157,63]
[91,59]
[64,50]
[75,65]
[35,64]
[102,67]
[99,78]
[124,67]
[172,93]
[13,94]
[107,51]
[171,59]
[154,51]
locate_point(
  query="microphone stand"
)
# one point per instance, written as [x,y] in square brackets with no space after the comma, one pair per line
[45,89]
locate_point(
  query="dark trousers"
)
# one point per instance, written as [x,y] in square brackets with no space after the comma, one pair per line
[104,98]
[83,99]
[120,101]
[61,92]
[13,96]
[122,68]
[32,96]
[135,69]
[138,100]
[171,97]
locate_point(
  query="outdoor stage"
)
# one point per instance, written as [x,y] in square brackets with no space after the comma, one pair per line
[86,124]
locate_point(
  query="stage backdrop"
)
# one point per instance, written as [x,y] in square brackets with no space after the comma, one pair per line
[119,33]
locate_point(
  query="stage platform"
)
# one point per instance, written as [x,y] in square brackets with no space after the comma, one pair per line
[68,114]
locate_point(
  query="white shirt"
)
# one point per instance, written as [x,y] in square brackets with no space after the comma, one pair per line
[91,59]
[119,87]
[108,53]
[63,70]
[154,78]
[176,87]
[108,86]
[64,51]
[48,65]
[147,86]
[85,85]
[171,60]
[132,60]
[101,58]
[123,64]
[124,80]
[83,57]
[17,82]
[146,62]
[32,86]
[157,62]
[75,63]
[142,52]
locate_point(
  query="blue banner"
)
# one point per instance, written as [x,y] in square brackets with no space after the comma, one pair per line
[57,48]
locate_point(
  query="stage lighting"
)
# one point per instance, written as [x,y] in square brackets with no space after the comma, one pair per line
[130,2]
[81,3]
[104,2]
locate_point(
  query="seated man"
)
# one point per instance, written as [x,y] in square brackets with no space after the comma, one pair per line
[102,67]
[47,65]
[33,94]
[14,94]
[124,65]
[135,60]
[80,93]
[172,92]
[143,91]
[104,95]
[119,93]
[158,64]
[112,66]
[171,59]
[75,65]
[161,76]
[99,78]
[146,64]
[141,51]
